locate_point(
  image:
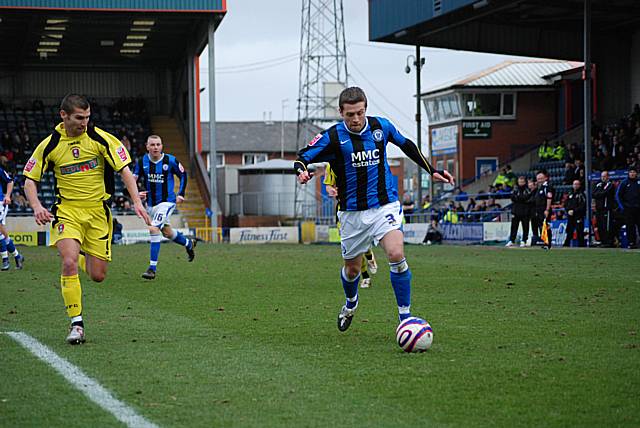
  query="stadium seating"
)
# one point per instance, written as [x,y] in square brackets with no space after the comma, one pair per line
[21,129]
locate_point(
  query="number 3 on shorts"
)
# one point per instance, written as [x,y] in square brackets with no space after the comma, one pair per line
[391,219]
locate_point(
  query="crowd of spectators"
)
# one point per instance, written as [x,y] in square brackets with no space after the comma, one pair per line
[23,127]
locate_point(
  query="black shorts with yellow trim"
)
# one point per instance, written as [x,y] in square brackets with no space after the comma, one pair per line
[89,223]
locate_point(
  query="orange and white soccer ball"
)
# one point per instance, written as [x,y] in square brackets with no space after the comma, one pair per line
[414,335]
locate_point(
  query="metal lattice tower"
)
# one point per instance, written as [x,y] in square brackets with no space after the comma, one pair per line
[323,61]
[323,68]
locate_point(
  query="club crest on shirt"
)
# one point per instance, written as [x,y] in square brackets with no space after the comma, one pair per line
[75,152]
[315,140]
[29,166]
[377,135]
[122,152]
[165,167]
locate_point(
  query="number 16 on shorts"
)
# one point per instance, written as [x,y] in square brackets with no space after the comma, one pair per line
[161,213]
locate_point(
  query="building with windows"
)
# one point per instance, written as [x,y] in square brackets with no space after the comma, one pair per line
[493,116]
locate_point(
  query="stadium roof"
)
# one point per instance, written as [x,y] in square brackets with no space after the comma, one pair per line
[262,137]
[512,74]
[548,29]
[104,33]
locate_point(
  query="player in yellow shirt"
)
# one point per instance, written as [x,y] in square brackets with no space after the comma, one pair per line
[83,160]
[369,264]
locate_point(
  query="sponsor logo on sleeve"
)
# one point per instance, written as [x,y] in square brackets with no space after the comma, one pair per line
[315,140]
[180,167]
[29,166]
[122,153]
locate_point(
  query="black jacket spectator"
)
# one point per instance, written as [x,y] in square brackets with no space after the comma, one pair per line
[521,197]
[575,207]
[628,197]
[604,196]
[604,193]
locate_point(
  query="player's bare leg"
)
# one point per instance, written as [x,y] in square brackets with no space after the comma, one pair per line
[69,250]
[393,245]
[350,275]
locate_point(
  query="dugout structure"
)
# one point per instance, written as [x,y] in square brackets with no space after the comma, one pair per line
[109,49]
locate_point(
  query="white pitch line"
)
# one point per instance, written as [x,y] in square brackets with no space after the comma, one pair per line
[89,387]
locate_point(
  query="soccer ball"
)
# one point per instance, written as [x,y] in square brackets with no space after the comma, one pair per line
[414,335]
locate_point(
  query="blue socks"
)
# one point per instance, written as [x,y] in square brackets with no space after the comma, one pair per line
[180,239]
[155,250]
[350,286]
[401,283]
[6,247]
[177,237]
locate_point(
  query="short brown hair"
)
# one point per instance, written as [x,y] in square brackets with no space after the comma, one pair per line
[352,95]
[72,101]
[154,136]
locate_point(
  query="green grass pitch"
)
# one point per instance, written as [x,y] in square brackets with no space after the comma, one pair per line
[246,336]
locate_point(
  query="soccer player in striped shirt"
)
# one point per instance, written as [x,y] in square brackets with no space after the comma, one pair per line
[369,208]
[158,169]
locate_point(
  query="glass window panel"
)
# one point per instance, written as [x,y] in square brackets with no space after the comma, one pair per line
[507,104]
[487,105]
[468,104]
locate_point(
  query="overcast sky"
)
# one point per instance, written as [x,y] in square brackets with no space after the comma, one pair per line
[261,31]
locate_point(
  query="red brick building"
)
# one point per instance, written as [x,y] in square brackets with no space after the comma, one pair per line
[495,115]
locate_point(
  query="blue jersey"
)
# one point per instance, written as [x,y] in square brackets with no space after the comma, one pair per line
[159,178]
[359,160]
[5,179]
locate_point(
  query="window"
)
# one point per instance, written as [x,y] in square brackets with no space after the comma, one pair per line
[487,105]
[508,105]
[494,105]
[451,167]
[253,158]
[219,159]
[443,108]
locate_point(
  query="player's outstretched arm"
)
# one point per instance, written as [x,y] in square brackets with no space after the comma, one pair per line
[412,151]
[40,213]
[132,187]
[7,196]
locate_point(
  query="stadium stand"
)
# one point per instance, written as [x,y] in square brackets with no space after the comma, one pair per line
[21,129]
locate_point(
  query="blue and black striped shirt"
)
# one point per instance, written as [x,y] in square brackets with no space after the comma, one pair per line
[159,178]
[359,160]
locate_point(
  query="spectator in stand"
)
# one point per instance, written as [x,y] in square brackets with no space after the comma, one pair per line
[628,198]
[520,197]
[542,200]
[501,178]
[604,195]
[575,152]
[575,208]
[569,173]
[545,151]
[126,143]
[559,151]
[471,205]
[451,216]
[426,203]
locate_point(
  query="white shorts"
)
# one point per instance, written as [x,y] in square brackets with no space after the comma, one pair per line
[359,229]
[160,214]
[4,210]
